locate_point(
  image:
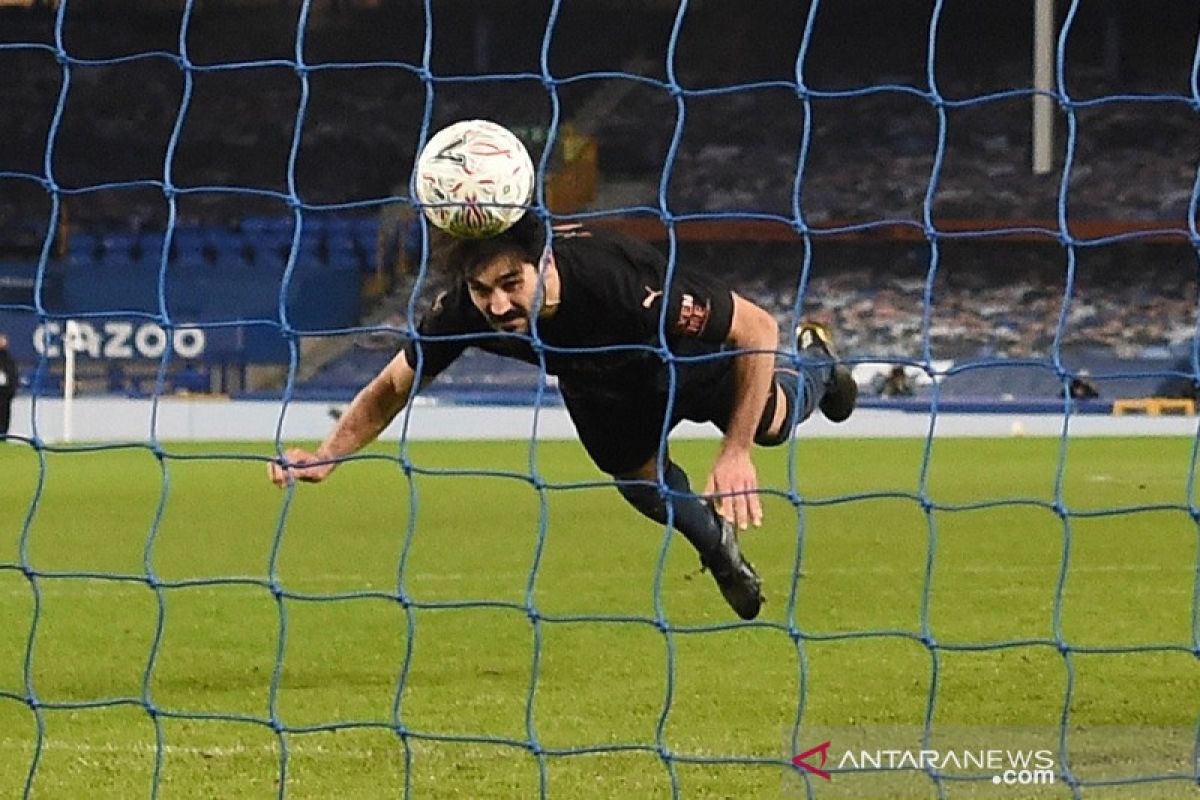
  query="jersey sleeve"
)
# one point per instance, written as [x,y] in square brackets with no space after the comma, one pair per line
[445,317]
[698,307]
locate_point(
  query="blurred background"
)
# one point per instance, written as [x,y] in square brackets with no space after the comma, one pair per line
[866,164]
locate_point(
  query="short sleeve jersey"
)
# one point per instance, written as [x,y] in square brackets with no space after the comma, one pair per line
[603,337]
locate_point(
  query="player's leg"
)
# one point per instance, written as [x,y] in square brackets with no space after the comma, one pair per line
[671,499]
[714,537]
[5,416]
[818,381]
[623,440]
[840,393]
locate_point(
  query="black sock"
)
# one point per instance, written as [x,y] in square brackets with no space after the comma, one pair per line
[692,515]
[803,396]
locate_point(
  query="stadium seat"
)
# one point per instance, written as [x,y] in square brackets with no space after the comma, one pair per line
[118,241]
[147,250]
[339,227]
[340,235]
[229,248]
[82,249]
[343,254]
[189,255]
[366,233]
[267,258]
[259,226]
[81,242]
[311,251]
[122,260]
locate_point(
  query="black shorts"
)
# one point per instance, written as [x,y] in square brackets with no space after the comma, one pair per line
[622,431]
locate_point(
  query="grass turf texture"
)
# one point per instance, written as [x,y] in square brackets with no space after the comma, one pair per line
[982,578]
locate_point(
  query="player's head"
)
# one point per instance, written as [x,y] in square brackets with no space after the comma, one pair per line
[3,342]
[501,272]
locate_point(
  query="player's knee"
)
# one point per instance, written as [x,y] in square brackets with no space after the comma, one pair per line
[643,496]
[774,427]
[772,439]
[638,492]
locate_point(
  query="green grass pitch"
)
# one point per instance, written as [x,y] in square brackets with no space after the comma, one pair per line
[975,574]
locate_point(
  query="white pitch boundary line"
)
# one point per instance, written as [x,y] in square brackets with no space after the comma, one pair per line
[215,751]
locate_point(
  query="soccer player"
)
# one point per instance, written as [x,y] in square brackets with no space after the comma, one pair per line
[9,379]
[605,293]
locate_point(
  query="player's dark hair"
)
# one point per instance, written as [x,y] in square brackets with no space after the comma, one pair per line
[463,257]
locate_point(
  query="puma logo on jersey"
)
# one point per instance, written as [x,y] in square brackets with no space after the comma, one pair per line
[651,296]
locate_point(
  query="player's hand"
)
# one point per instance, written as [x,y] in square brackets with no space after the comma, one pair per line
[733,484]
[297,469]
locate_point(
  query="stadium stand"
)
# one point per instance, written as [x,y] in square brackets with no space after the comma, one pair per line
[737,152]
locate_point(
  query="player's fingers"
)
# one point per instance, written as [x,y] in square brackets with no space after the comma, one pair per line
[291,468]
[722,502]
[756,512]
[725,499]
[741,509]
[277,474]
[749,504]
[727,509]
[310,474]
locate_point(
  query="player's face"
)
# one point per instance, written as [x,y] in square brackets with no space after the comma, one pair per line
[503,290]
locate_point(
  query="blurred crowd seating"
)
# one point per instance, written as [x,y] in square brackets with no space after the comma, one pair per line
[256,243]
[871,131]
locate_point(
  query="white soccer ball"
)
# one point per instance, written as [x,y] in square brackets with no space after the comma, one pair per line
[474,179]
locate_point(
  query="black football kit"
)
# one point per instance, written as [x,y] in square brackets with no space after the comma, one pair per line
[603,344]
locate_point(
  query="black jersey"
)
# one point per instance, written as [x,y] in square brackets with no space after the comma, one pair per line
[604,337]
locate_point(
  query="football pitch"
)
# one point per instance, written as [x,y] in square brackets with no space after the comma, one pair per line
[461,629]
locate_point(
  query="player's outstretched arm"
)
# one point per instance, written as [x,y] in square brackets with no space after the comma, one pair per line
[733,475]
[371,411]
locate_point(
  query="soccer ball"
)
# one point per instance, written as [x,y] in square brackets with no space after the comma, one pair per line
[474,179]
